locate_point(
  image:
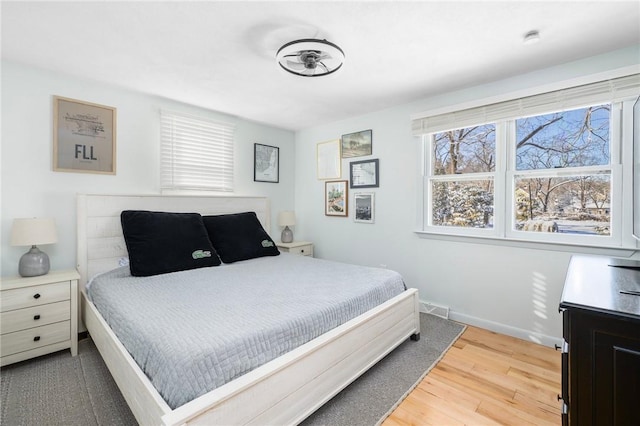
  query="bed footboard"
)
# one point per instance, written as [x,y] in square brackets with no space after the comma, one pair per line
[283,391]
[290,388]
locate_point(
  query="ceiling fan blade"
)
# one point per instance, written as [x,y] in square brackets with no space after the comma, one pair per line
[295,65]
[324,66]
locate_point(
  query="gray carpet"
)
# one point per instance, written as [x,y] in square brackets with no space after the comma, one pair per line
[58,389]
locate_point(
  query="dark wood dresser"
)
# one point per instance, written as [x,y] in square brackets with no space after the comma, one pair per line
[601,350]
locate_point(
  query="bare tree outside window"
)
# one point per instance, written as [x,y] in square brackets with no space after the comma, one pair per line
[463,203]
[467,150]
[570,141]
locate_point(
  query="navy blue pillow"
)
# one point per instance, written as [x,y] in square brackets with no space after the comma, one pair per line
[160,242]
[239,236]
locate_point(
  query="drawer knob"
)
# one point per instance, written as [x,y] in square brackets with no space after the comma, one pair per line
[557,347]
[36,317]
[35,339]
[36,296]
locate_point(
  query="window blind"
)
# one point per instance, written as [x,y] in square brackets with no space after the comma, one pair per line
[196,153]
[559,100]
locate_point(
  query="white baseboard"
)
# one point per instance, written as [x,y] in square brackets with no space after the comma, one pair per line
[520,333]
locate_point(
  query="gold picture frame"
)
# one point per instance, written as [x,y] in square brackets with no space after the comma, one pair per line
[84,137]
[329,160]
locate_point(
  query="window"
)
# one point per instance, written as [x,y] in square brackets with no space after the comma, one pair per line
[463,169]
[196,153]
[562,181]
[547,168]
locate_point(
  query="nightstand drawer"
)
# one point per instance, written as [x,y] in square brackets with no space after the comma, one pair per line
[36,316]
[303,250]
[35,295]
[32,338]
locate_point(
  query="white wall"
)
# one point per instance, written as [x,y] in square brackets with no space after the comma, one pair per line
[30,188]
[514,290]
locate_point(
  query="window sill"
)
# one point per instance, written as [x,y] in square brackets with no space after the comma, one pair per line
[534,245]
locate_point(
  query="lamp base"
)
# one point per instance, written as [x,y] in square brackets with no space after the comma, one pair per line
[287,235]
[34,263]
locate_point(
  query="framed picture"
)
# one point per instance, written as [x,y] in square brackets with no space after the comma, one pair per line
[329,161]
[365,174]
[336,198]
[266,163]
[84,137]
[357,144]
[365,209]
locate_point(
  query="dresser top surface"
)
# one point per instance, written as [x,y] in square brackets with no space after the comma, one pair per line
[7,283]
[593,283]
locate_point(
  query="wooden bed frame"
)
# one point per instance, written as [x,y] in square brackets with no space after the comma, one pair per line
[283,391]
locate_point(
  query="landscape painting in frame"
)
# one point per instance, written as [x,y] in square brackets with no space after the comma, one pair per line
[357,144]
[364,202]
[84,137]
[336,198]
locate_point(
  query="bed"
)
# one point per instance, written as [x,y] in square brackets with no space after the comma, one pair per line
[284,390]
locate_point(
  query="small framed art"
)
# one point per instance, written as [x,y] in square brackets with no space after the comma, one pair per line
[336,198]
[266,163]
[365,207]
[357,144]
[329,164]
[84,137]
[365,174]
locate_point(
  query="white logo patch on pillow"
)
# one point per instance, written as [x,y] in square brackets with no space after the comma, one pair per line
[200,254]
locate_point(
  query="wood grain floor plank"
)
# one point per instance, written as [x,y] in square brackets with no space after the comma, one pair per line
[414,411]
[486,378]
[488,357]
[452,409]
[504,413]
[448,392]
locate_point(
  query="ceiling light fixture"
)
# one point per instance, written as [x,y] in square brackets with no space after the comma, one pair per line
[310,57]
[531,37]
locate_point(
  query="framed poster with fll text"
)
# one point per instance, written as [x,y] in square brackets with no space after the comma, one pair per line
[84,137]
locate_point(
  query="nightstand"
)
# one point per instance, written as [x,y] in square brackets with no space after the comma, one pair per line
[38,315]
[304,248]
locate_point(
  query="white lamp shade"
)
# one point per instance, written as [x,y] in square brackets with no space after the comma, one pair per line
[33,231]
[286,218]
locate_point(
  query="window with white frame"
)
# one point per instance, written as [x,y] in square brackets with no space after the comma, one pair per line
[196,153]
[546,168]
[462,177]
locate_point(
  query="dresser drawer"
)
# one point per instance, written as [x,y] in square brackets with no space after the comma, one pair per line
[32,338]
[21,319]
[35,295]
[302,250]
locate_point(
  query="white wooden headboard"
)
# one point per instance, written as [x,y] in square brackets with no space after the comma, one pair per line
[101,243]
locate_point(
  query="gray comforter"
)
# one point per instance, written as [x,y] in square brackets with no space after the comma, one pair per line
[194,331]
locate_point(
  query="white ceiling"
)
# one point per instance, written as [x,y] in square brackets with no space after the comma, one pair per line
[221,55]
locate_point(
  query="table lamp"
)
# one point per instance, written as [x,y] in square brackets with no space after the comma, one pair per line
[31,232]
[286,219]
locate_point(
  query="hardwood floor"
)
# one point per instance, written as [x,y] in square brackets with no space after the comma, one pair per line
[486,379]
